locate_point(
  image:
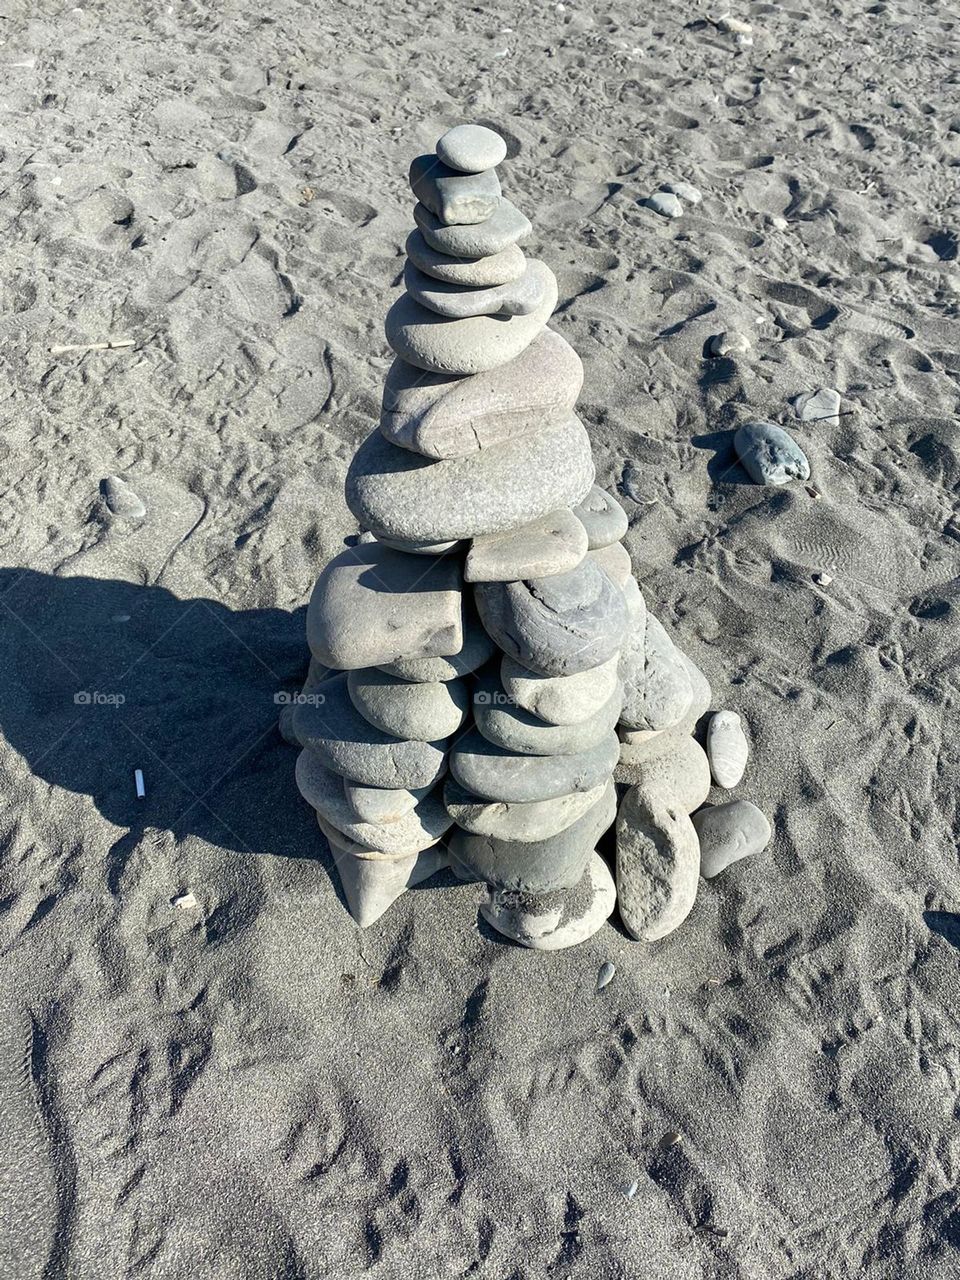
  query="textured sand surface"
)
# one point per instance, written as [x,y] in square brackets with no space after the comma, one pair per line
[244,1085]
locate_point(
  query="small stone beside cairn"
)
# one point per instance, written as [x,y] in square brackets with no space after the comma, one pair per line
[475,653]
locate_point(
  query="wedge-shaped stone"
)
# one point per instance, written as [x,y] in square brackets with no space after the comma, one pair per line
[476,649]
[560,699]
[506,227]
[454,197]
[554,921]
[349,745]
[509,726]
[495,774]
[455,302]
[380,804]
[657,685]
[556,543]
[535,866]
[603,518]
[556,626]
[515,820]
[372,605]
[372,882]
[442,416]
[428,711]
[658,866]
[400,495]
[481,342]
[494,269]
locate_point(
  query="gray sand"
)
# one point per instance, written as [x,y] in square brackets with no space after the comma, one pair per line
[245,1084]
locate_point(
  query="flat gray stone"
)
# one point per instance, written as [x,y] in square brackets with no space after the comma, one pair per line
[493,269]
[428,711]
[430,341]
[729,832]
[769,455]
[665,203]
[556,626]
[349,745]
[476,648]
[380,804]
[554,921]
[442,416]
[615,562]
[685,190]
[372,605]
[534,866]
[455,198]
[420,548]
[657,688]
[471,148]
[495,774]
[517,820]
[687,724]
[513,729]
[727,748]
[556,543]
[560,699]
[399,494]
[818,406]
[671,769]
[658,866]
[416,830]
[456,302]
[506,227]
[603,518]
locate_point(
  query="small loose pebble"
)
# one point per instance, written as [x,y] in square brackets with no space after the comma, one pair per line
[729,343]
[822,579]
[121,500]
[735,26]
[670,1139]
[666,204]
[631,1190]
[605,976]
[185,902]
[685,190]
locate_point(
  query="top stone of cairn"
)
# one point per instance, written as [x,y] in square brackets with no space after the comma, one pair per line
[471,148]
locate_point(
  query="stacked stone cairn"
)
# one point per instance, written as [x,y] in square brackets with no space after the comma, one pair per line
[475,652]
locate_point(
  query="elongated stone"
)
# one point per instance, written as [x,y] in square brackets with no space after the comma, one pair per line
[559,699]
[474,345]
[349,745]
[507,226]
[534,866]
[514,729]
[476,649]
[455,302]
[455,198]
[728,832]
[380,804]
[471,148]
[614,560]
[493,269]
[517,820]
[658,866]
[554,921]
[400,495]
[428,711]
[495,774]
[769,454]
[556,543]
[657,688]
[416,830]
[672,768]
[442,416]
[372,882]
[603,518]
[727,748]
[372,605]
[556,626]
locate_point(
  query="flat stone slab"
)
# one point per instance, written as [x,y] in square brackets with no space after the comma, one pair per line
[818,406]
[657,686]
[554,921]
[506,227]
[493,269]
[430,341]
[380,804]
[769,454]
[658,866]
[495,774]
[428,711]
[514,729]
[416,830]
[556,626]
[456,302]
[535,866]
[349,745]
[401,495]
[729,832]
[556,543]
[476,649]
[442,416]
[453,196]
[560,699]
[515,820]
[372,605]
[471,148]
[603,518]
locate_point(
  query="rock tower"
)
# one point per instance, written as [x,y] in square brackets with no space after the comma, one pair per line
[474,654]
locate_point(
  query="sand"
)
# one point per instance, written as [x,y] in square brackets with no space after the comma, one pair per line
[241,1083]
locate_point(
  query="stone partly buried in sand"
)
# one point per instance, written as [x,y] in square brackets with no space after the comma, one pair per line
[769,454]
[553,921]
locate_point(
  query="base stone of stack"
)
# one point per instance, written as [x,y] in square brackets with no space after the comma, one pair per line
[554,921]
[658,866]
[372,883]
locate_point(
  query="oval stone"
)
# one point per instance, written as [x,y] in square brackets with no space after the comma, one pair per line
[658,866]
[671,768]
[514,729]
[494,269]
[506,227]
[471,148]
[559,699]
[728,832]
[495,774]
[727,748]
[402,495]
[517,820]
[603,518]
[769,454]
[455,302]
[427,712]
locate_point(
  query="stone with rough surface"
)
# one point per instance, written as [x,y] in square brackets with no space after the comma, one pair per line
[556,543]
[401,495]
[455,302]
[727,748]
[442,416]
[514,729]
[495,774]
[507,226]
[769,455]
[658,866]
[657,688]
[428,711]
[494,269]
[380,804]
[728,832]
[476,649]
[554,921]
[603,518]
[672,768]
[517,820]
[471,148]
[559,699]
[454,197]
[818,406]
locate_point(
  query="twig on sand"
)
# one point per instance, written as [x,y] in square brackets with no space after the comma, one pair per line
[111,345]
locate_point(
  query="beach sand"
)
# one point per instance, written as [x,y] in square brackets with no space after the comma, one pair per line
[206,1069]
